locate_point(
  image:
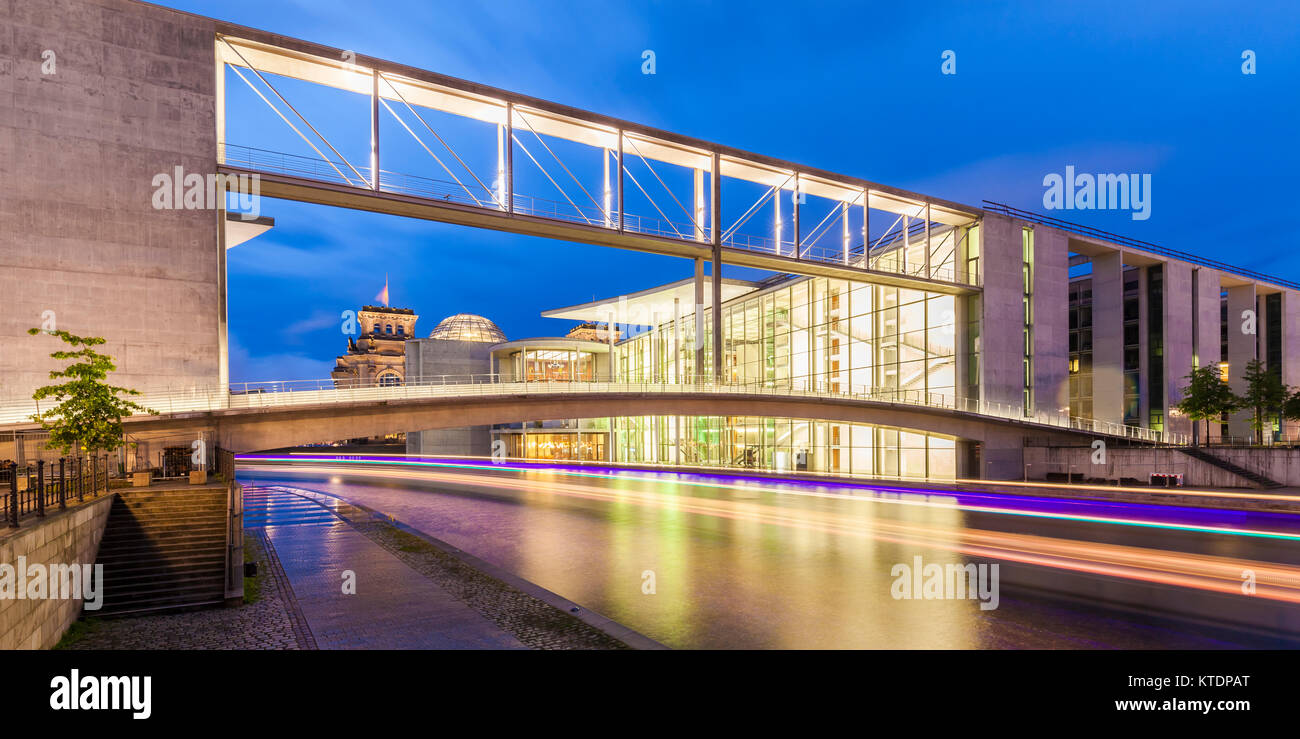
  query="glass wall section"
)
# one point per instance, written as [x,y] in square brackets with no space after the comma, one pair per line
[1155,346]
[1132,347]
[818,334]
[554,365]
[785,444]
[1081,348]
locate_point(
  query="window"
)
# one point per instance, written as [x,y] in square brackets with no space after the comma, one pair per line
[401,330]
[388,329]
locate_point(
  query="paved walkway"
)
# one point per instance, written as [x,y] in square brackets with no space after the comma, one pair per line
[393,607]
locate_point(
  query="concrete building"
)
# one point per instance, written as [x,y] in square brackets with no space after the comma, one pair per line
[458,350]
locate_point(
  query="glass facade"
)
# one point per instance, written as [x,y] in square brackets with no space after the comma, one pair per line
[553,365]
[785,444]
[814,334]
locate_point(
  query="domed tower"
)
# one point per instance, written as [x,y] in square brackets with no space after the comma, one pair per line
[468,327]
[377,356]
[458,350]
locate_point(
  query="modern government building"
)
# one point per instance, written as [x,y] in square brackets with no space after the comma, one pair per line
[1069,321]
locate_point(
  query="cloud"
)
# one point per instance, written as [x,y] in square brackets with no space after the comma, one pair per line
[244,367]
[315,322]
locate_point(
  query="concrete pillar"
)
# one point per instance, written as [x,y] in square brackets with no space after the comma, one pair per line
[1003,455]
[1051,309]
[1206,350]
[1291,348]
[1001,332]
[1180,313]
[1108,337]
[1241,350]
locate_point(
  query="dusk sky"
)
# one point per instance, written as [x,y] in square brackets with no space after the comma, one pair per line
[854,88]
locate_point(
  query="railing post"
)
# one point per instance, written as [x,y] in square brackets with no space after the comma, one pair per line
[40,487]
[12,498]
[94,476]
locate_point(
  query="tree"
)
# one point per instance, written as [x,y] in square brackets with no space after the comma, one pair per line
[1291,408]
[1206,397]
[1264,391]
[88,414]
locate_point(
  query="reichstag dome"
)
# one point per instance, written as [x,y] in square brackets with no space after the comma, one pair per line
[468,327]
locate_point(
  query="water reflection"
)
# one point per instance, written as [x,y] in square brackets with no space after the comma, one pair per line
[750,565]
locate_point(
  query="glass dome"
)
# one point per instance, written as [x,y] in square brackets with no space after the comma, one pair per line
[468,327]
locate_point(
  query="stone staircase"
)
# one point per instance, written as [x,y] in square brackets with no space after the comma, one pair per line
[1208,458]
[164,549]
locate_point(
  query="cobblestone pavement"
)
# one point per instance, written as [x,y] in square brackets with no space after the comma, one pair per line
[409,593]
[267,623]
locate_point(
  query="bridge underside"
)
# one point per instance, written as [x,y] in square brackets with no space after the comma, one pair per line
[249,430]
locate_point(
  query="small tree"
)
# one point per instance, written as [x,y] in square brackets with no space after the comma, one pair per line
[1264,391]
[88,414]
[1206,397]
[1291,408]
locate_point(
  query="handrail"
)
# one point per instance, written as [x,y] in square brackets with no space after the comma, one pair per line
[323,391]
[1083,230]
[265,160]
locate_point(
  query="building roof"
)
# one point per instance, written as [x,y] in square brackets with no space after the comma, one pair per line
[640,308]
[468,327]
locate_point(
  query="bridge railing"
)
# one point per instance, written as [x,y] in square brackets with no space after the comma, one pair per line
[338,172]
[283,393]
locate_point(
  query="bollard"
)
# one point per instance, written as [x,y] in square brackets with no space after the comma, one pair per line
[40,488]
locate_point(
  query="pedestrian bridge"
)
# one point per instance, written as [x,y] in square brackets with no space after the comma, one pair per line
[267,415]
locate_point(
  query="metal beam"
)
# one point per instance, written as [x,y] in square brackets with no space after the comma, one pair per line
[374,131]
[715,218]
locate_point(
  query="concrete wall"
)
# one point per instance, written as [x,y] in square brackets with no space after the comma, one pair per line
[1291,349]
[1179,307]
[1108,337]
[70,537]
[1208,350]
[426,361]
[131,96]
[1281,465]
[1241,350]
[1001,331]
[1051,320]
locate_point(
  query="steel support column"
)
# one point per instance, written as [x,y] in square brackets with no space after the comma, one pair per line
[699,320]
[715,219]
[510,158]
[621,223]
[374,130]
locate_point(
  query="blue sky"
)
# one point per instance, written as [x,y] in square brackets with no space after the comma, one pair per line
[848,87]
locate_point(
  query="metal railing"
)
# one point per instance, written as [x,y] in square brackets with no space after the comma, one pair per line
[272,394]
[1097,233]
[34,488]
[450,192]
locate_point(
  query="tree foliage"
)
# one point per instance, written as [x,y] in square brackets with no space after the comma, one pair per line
[87,415]
[1264,392]
[1206,397]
